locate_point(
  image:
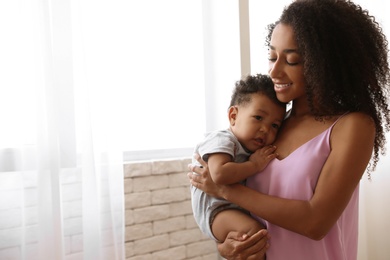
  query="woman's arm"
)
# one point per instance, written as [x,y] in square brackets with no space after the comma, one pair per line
[352,141]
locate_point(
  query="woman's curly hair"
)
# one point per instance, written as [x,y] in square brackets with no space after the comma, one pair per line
[345,55]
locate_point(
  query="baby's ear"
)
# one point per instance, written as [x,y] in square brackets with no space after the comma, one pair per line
[232,114]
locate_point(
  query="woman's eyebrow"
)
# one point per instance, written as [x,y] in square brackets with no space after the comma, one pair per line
[285,50]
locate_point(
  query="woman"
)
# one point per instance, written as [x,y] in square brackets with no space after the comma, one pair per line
[330,58]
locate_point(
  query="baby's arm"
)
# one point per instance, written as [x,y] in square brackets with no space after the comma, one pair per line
[224,171]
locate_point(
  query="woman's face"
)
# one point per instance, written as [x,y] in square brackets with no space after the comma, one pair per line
[286,64]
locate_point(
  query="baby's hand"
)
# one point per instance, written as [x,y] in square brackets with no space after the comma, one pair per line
[263,156]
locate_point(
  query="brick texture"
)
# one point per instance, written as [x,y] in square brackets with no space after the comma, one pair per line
[159,221]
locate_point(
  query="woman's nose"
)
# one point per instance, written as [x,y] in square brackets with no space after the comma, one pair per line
[275,69]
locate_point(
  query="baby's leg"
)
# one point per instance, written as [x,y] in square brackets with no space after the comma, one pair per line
[234,220]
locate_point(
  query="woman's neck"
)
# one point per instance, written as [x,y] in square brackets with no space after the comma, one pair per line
[300,109]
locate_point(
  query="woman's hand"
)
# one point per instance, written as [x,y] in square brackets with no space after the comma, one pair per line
[201,179]
[238,246]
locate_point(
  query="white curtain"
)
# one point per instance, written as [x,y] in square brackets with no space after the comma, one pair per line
[61,169]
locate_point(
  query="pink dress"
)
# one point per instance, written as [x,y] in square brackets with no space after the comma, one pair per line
[295,177]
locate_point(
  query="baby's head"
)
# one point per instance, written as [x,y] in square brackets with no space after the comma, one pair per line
[255,114]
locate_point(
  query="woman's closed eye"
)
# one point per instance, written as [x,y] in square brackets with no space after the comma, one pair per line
[290,63]
[271,59]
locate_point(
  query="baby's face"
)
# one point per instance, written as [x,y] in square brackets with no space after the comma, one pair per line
[256,123]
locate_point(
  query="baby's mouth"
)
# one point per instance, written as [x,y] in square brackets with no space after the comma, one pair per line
[259,141]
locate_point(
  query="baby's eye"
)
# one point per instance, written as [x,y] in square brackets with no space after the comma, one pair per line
[275,126]
[258,118]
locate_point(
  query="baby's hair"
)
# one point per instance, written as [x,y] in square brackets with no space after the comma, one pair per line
[252,84]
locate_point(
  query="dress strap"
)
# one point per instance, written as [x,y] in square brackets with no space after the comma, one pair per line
[338,119]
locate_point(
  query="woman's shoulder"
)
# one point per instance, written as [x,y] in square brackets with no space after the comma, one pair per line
[357,120]
[354,125]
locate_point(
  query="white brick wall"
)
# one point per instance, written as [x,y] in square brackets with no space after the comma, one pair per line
[159,221]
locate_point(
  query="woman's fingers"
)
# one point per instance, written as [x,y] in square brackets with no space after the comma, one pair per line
[200,160]
[195,178]
[196,170]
